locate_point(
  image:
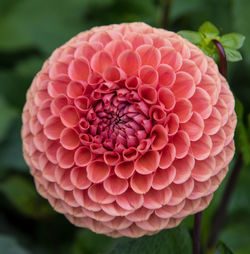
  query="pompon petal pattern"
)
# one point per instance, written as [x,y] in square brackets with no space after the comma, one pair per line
[128,129]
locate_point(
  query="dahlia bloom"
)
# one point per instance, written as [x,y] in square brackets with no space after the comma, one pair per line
[128,129]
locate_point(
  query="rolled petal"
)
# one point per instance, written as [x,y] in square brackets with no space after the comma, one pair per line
[147,163]
[97,171]
[141,183]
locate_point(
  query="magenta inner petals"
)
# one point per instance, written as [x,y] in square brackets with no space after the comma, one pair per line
[128,129]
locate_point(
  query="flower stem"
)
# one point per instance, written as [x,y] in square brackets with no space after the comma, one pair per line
[223,59]
[220,213]
[197,233]
[165,13]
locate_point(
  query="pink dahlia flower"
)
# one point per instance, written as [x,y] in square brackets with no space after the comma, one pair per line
[128,129]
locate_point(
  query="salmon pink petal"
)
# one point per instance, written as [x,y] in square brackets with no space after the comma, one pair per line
[130,200]
[166,75]
[124,169]
[157,198]
[56,88]
[79,70]
[194,127]
[147,163]
[148,94]
[203,170]
[65,157]
[69,139]
[69,116]
[149,55]
[129,61]
[213,122]
[207,83]
[114,74]
[166,98]
[115,185]
[132,83]
[171,57]
[97,171]
[163,177]
[141,183]
[172,123]
[75,89]
[100,61]
[202,147]
[85,51]
[82,198]
[157,113]
[167,156]
[53,127]
[201,103]
[168,211]
[159,135]
[218,141]
[148,75]
[182,143]
[78,177]
[140,214]
[153,223]
[111,158]
[184,86]
[98,194]
[114,209]
[183,109]
[58,103]
[82,156]
[116,47]
[191,68]
[119,223]
[184,168]
[137,39]
[181,191]
[130,154]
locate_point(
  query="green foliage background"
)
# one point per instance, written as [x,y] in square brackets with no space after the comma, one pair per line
[29,31]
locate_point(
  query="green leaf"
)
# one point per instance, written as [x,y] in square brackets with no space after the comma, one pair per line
[232,40]
[194,37]
[240,11]
[171,241]
[80,244]
[222,249]
[233,55]
[9,245]
[23,196]
[209,29]
[8,114]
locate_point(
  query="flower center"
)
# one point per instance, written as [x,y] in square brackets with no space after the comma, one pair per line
[117,122]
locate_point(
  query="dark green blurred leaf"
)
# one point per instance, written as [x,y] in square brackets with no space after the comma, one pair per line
[233,55]
[43,24]
[23,196]
[11,155]
[192,36]
[242,137]
[208,29]
[85,242]
[232,40]
[222,249]
[7,115]
[9,245]
[172,241]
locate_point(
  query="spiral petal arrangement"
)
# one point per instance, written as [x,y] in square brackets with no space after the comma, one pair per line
[128,129]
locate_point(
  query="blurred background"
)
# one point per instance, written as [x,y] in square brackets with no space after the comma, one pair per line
[29,31]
